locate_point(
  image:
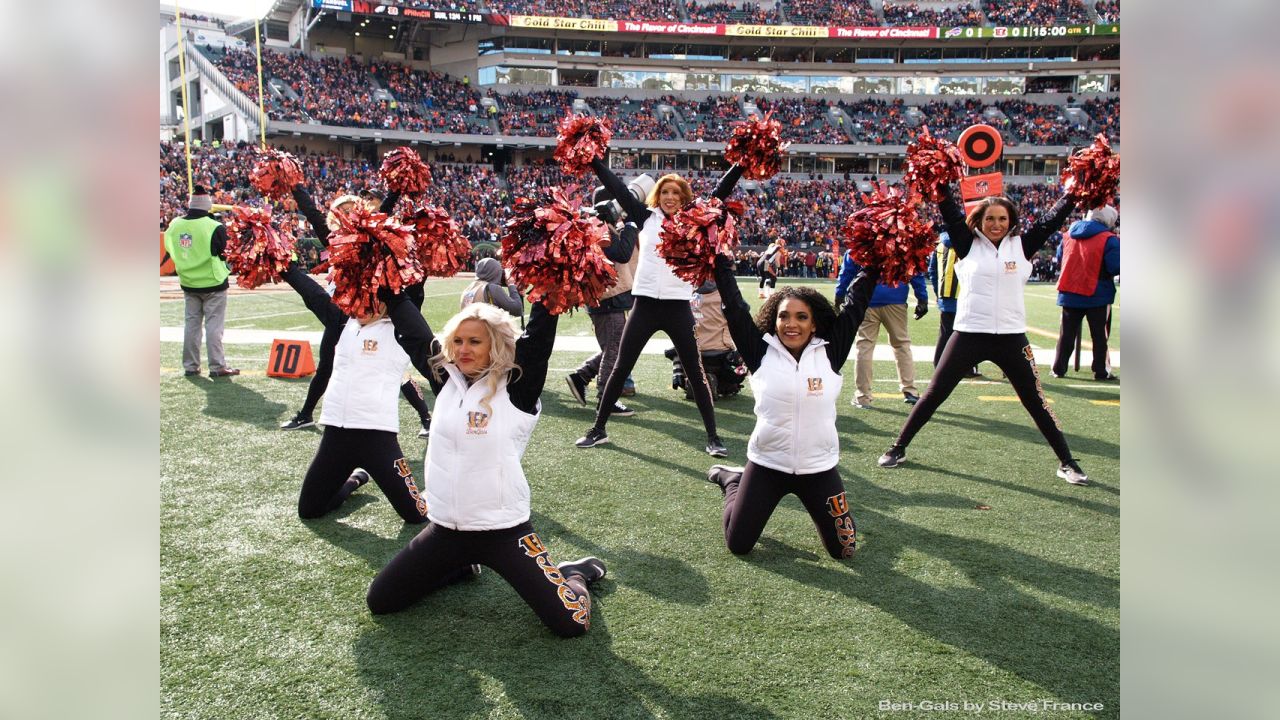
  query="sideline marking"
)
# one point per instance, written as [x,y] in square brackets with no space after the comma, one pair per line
[1108,403]
[1006,398]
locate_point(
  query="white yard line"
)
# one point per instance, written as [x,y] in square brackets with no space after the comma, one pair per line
[564,343]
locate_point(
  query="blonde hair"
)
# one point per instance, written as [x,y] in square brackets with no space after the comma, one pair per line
[686,192]
[335,207]
[502,346]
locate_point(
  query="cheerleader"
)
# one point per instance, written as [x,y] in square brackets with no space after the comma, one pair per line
[323,225]
[487,384]
[773,258]
[990,321]
[661,299]
[794,349]
[361,418]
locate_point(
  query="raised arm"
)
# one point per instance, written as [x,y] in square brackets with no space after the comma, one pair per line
[308,208]
[848,270]
[637,212]
[849,316]
[728,182]
[746,336]
[953,215]
[314,296]
[389,203]
[622,243]
[415,336]
[533,350]
[1038,234]
[506,297]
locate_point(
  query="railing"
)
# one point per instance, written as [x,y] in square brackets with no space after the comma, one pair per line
[214,77]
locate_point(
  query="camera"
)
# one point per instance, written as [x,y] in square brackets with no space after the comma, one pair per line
[607,208]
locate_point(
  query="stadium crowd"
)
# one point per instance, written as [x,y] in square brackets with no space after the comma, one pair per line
[747,12]
[836,14]
[1036,12]
[346,92]
[1108,11]
[533,113]
[605,9]
[943,16]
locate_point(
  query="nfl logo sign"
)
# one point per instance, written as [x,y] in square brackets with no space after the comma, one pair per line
[185,240]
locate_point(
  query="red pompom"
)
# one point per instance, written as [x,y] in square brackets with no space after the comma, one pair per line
[257,251]
[889,236]
[367,252]
[691,239]
[757,146]
[442,249]
[553,250]
[579,140]
[275,174]
[404,172]
[1092,174]
[932,161]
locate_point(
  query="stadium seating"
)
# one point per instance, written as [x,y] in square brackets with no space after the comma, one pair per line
[608,9]
[965,15]
[1035,12]
[747,12]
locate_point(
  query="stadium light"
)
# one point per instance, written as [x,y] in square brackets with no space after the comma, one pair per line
[357,33]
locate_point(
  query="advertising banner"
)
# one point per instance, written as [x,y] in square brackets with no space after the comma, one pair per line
[559,23]
[883,33]
[776,31]
[661,27]
[669,28]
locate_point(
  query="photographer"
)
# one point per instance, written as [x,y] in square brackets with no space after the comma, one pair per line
[610,316]
[490,286]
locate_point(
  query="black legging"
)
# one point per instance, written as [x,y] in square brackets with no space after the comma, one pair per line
[328,482]
[324,368]
[437,555]
[750,499]
[648,316]
[1013,355]
[768,277]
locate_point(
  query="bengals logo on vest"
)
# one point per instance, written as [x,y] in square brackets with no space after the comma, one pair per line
[477,423]
[815,386]
[1011,266]
[370,347]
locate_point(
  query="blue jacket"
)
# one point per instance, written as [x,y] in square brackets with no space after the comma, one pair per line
[1105,293]
[946,305]
[884,294]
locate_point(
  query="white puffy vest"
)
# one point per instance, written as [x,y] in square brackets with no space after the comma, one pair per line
[795,409]
[474,480]
[368,367]
[653,276]
[991,287]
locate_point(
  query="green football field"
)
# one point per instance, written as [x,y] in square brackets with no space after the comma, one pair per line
[980,576]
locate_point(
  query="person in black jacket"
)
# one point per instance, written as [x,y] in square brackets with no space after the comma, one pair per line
[323,225]
[794,349]
[608,319]
[661,299]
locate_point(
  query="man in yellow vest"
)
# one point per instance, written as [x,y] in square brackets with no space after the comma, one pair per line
[197,244]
